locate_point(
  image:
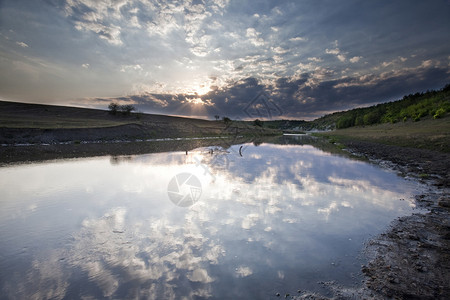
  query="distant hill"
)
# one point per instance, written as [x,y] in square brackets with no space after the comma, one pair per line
[432,104]
[37,123]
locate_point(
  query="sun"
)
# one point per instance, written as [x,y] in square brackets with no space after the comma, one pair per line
[198,89]
[197,101]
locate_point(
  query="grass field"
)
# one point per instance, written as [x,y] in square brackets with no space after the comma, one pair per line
[432,134]
[34,123]
[23,115]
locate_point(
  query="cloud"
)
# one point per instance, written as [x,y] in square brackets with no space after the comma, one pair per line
[134,22]
[355,59]
[22,44]
[315,92]
[387,63]
[170,253]
[243,271]
[279,50]
[254,37]
[98,17]
[315,59]
[200,275]
[427,63]
[341,57]
[298,39]
[85,66]
[173,47]
[127,68]
[332,51]
[109,33]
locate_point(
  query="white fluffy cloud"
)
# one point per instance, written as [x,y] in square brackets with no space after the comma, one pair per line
[355,59]
[22,44]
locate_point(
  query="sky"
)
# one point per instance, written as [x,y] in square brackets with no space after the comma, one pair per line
[241,59]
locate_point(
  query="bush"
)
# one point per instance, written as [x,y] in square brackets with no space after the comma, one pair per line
[127,109]
[258,122]
[124,109]
[439,113]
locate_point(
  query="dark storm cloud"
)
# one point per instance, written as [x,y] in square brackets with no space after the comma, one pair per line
[295,98]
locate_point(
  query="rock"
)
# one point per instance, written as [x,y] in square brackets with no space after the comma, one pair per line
[444,202]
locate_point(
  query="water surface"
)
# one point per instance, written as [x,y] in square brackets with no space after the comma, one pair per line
[266,219]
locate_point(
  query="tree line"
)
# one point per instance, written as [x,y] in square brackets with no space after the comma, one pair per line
[125,110]
[412,107]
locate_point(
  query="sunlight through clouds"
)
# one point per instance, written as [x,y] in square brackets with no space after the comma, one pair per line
[307,59]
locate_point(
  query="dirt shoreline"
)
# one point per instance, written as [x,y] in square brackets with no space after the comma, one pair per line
[411,259]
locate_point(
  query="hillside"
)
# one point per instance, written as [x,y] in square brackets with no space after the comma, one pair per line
[36,123]
[432,104]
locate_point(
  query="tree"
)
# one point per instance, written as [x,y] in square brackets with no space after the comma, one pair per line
[127,109]
[113,107]
[226,120]
[258,122]
[372,117]
[217,117]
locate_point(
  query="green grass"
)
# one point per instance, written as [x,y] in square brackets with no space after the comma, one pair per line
[415,107]
[432,134]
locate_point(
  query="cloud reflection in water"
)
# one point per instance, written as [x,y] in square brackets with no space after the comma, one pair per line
[273,218]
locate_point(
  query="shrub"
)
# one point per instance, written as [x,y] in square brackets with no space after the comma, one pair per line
[258,122]
[439,113]
[124,109]
[127,109]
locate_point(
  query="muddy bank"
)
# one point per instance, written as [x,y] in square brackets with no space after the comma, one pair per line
[430,166]
[412,259]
